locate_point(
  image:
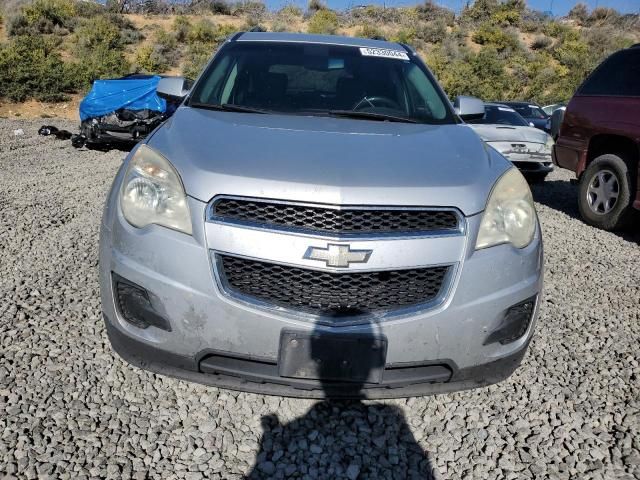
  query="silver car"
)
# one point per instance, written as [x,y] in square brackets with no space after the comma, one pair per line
[527,147]
[316,220]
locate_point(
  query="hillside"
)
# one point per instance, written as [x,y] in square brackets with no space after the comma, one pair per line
[51,50]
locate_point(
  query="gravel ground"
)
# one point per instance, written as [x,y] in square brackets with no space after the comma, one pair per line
[70,408]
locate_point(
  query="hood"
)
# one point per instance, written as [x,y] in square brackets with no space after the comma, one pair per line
[509,133]
[328,160]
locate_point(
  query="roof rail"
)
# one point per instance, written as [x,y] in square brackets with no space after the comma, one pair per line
[409,48]
[235,36]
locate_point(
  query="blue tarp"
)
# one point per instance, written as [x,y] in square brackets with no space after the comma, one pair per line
[107,96]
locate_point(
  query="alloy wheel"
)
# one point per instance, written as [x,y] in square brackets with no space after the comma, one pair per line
[603,191]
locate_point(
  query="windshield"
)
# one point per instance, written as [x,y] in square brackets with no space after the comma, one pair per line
[317,79]
[496,115]
[530,111]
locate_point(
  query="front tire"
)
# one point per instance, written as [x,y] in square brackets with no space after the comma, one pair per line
[604,197]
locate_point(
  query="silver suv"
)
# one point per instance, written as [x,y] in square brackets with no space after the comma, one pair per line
[316,220]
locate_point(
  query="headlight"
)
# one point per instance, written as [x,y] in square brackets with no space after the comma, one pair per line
[550,142]
[509,216]
[152,192]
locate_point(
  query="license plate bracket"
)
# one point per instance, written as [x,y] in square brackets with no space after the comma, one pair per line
[328,357]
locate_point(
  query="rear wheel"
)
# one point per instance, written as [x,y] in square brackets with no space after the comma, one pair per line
[605,193]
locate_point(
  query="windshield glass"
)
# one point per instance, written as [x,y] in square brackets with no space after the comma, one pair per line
[496,115]
[530,111]
[316,79]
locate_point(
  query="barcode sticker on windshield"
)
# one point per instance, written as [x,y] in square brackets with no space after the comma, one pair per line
[383,53]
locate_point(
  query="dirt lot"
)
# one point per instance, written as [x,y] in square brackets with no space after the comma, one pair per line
[70,408]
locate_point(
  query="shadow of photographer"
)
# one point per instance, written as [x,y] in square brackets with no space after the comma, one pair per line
[340,438]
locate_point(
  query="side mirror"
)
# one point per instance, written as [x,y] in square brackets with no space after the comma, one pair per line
[173,88]
[469,108]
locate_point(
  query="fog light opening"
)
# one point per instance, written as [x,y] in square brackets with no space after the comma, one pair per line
[135,306]
[515,323]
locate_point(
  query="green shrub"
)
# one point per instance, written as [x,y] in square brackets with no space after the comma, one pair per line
[30,68]
[405,35]
[323,21]
[224,31]
[55,12]
[220,7]
[290,11]
[197,57]
[604,40]
[166,39]
[530,26]
[279,25]
[579,13]
[99,63]
[370,31]
[558,30]
[88,9]
[506,17]
[181,27]
[150,59]
[492,36]
[429,11]
[131,36]
[98,32]
[540,43]
[202,31]
[285,17]
[99,49]
[481,10]
[44,17]
[483,75]
[432,32]
[603,15]
[375,14]
[18,25]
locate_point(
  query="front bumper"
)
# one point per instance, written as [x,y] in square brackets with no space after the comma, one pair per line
[217,340]
[528,157]
[260,377]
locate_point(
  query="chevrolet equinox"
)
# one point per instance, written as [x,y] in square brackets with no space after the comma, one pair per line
[317,220]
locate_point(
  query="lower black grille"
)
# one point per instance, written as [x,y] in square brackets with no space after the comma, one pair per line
[327,293]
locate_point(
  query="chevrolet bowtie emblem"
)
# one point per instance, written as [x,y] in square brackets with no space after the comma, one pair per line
[337,255]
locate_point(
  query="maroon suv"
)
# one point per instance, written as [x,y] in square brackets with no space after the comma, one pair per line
[600,141]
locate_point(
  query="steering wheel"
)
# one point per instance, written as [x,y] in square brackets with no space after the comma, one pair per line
[370,102]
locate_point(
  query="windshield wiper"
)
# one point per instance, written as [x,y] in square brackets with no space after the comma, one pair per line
[371,116]
[228,107]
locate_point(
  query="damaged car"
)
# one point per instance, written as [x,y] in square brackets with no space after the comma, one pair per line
[118,113]
[317,220]
[528,148]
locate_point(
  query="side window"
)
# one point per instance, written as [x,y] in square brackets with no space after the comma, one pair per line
[524,111]
[619,75]
[210,92]
[418,81]
[229,84]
